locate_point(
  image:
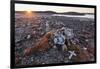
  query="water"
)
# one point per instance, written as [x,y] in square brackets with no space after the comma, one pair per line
[91,16]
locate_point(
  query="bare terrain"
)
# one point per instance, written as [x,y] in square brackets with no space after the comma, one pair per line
[29,30]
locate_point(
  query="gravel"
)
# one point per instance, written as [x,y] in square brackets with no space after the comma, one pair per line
[28,31]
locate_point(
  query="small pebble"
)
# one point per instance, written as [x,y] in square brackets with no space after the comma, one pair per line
[43,63]
[86,40]
[28,24]
[28,36]
[84,48]
[31,58]
[54,47]
[23,25]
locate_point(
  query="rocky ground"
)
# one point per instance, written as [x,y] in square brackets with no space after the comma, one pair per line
[29,30]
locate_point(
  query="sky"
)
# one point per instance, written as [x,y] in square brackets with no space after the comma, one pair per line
[30,7]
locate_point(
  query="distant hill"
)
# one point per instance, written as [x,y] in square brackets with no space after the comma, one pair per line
[37,12]
[19,11]
[73,13]
[52,12]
